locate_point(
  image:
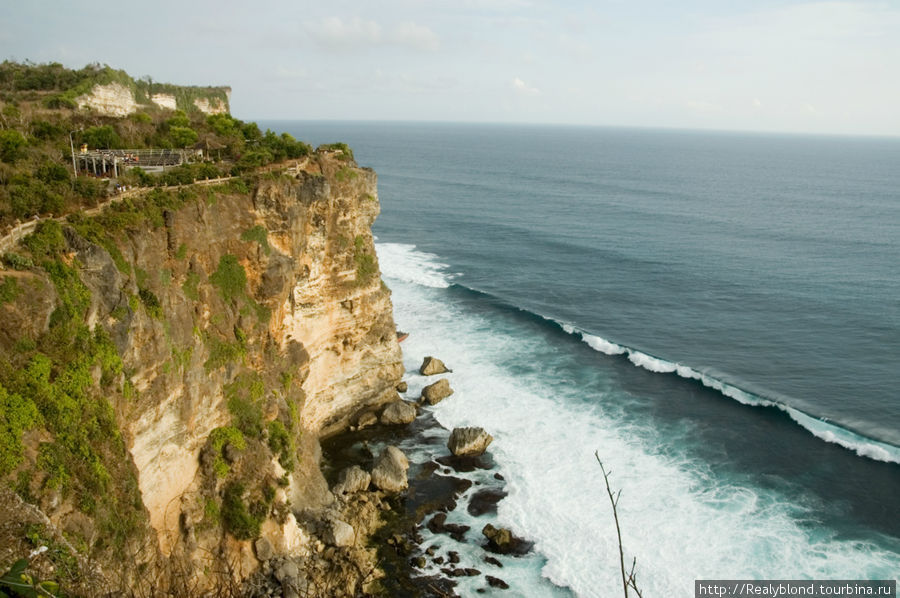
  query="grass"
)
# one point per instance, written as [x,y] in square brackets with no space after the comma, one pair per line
[345,174]
[9,290]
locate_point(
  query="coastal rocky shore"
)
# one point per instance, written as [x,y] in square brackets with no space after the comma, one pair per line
[398,483]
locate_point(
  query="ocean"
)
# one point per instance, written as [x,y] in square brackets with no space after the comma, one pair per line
[715,315]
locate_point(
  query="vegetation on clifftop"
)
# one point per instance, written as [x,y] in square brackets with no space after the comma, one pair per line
[39,125]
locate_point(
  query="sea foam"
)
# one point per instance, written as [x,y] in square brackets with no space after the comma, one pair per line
[679,519]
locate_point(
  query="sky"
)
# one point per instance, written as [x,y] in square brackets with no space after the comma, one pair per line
[774,66]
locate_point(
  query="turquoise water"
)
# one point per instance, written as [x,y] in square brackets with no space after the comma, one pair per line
[718,315]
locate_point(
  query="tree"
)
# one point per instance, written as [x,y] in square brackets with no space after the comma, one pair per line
[104,137]
[12,145]
[183,136]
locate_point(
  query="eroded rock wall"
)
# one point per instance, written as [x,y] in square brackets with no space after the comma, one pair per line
[251,320]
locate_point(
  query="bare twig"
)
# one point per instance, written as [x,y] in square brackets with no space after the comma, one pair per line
[629,580]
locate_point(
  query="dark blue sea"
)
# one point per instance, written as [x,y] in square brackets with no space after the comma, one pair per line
[717,315]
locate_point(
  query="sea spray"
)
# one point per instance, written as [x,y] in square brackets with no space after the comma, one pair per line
[681,519]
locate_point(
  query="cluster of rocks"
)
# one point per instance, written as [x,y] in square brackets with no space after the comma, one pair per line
[341,533]
[466,445]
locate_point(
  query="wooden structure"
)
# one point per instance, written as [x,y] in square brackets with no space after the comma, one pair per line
[109,163]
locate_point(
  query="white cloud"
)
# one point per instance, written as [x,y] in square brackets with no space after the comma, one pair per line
[523,88]
[415,36]
[337,33]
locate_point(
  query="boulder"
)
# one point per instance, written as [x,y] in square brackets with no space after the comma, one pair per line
[264,549]
[496,582]
[402,387]
[351,480]
[469,442]
[437,392]
[502,541]
[365,420]
[431,366]
[399,412]
[339,533]
[389,473]
[485,501]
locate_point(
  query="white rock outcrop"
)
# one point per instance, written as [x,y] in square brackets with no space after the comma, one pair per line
[114,99]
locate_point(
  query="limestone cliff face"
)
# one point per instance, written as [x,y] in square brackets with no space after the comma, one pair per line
[164,100]
[118,100]
[214,106]
[250,321]
[109,100]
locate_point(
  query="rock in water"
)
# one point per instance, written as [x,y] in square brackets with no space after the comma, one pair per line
[389,473]
[402,387]
[431,366]
[437,392]
[469,442]
[351,480]
[503,541]
[399,412]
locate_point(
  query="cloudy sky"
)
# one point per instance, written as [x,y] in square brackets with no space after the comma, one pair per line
[764,65]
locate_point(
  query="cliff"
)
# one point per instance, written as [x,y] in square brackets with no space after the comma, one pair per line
[119,99]
[174,361]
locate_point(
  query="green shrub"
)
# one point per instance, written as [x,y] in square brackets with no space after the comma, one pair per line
[183,136]
[259,234]
[179,119]
[51,172]
[9,289]
[151,303]
[218,439]
[17,414]
[238,521]
[365,262]
[74,297]
[12,145]
[243,399]
[29,196]
[222,353]
[230,278]
[17,262]
[211,511]
[44,130]
[47,240]
[281,443]
[102,137]
[345,174]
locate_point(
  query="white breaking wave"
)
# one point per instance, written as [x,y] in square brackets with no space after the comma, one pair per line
[862,446]
[403,262]
[680,520]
